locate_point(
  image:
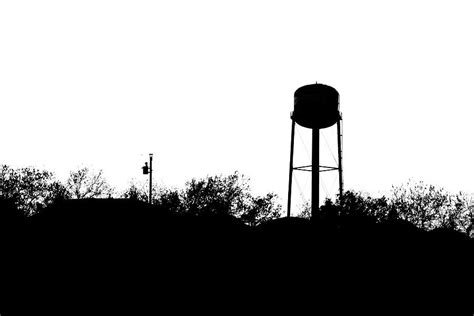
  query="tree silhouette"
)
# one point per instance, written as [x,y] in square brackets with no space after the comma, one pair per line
[261,209]
[351,204]
[229,195]
[136,192]
[30,188]
[429,207]
[216,195]
[424,205]
[459,216]
[213,195]
[169,199]
[418,203]
[85,183]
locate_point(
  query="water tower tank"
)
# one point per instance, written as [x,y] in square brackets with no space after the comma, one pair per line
[316,106]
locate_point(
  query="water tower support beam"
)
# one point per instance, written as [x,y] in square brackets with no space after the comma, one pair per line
[315,176]
[339,156]
[292,145]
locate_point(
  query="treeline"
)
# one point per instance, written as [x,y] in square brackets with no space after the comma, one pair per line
[426,206]
[423,205]
[31,190]
[188,252]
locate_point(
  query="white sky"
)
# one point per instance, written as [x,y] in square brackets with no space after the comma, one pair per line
[207,86]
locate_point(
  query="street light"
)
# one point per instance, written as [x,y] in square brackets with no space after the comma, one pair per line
[145,168]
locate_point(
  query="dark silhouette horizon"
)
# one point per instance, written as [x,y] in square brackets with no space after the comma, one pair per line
[113,252]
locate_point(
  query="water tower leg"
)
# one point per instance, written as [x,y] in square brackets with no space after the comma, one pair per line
[290,181]
[315,176]
[339,151]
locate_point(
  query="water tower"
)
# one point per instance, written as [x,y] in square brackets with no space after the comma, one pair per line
[316,107]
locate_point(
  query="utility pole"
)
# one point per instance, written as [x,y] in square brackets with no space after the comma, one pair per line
[148,169]
[151,172]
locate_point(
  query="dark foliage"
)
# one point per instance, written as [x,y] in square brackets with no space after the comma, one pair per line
[29,188]
[85,183]
[213,195]
[122,251]
[425,206]
[195,250]
[229,195]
